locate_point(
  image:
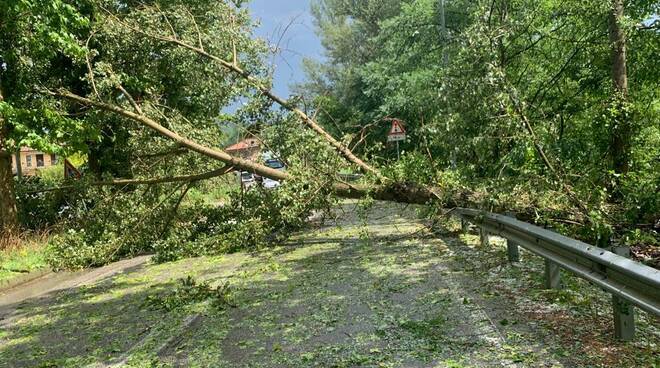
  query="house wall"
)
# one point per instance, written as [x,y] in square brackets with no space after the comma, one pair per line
[251,153]
[30,156]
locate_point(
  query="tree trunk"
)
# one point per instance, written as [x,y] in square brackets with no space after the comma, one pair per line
[8,212]
[621,127]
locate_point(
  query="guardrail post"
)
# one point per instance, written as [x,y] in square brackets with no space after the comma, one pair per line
[465,226]
[552,275]
[624,313]
[483,236]
[552,272]
[512,249]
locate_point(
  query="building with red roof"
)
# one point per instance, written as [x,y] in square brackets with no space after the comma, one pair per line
[249,149]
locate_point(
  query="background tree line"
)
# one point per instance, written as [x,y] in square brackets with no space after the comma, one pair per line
[548,106]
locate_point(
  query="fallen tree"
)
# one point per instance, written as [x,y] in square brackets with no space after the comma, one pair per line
[396,192]
[234,68]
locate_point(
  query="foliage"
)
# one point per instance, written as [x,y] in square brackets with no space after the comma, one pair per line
[120,65]
[113,223]
[188,291]
[484,99]
[252,220]
[464,92]
[40,207]
[39,42]
[122,224]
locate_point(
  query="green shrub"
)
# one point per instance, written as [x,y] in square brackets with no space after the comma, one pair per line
[40,207]
[138,223]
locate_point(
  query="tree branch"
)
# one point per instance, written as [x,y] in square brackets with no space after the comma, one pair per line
[268,93]
[130,99]
[165,180]
[216,154]
[90,71]
[517,106]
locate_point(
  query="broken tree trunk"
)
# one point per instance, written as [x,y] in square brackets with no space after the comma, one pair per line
[396,192]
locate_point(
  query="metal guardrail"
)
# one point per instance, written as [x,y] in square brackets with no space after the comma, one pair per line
[629,282]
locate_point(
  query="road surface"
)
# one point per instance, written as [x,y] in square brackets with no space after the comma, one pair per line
[372,288]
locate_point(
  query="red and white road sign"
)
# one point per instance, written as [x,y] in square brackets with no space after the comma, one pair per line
[70,171]
[397,132]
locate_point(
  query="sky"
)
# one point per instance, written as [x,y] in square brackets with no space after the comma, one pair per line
[289,24]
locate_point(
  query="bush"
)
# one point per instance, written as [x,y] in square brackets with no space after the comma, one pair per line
[40,207]
[137,223]
[74,250]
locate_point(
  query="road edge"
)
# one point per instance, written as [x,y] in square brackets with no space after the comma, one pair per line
[6,285]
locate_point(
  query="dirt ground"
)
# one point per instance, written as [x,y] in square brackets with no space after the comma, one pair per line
[371,288]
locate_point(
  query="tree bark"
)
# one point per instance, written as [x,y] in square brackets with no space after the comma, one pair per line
[8,212]
[621,127]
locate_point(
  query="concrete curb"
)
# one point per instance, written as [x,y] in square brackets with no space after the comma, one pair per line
[6,285]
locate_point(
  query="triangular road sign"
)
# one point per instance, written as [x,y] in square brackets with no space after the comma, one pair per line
[397,128]
[70,171]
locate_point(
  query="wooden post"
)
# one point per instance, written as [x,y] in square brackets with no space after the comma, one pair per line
[483,235]
[19,167]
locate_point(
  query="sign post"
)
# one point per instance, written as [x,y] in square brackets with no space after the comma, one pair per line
[397,133]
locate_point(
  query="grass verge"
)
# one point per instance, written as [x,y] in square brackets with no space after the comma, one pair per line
[28,255]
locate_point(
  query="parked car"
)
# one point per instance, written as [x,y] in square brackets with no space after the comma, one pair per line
[273,164]
[270,183]
[247,180]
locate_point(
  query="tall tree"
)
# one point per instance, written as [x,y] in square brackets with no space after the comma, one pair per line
[8,213]
[621,124]
[36,42]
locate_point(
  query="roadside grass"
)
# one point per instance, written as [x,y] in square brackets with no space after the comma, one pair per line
[27,255]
